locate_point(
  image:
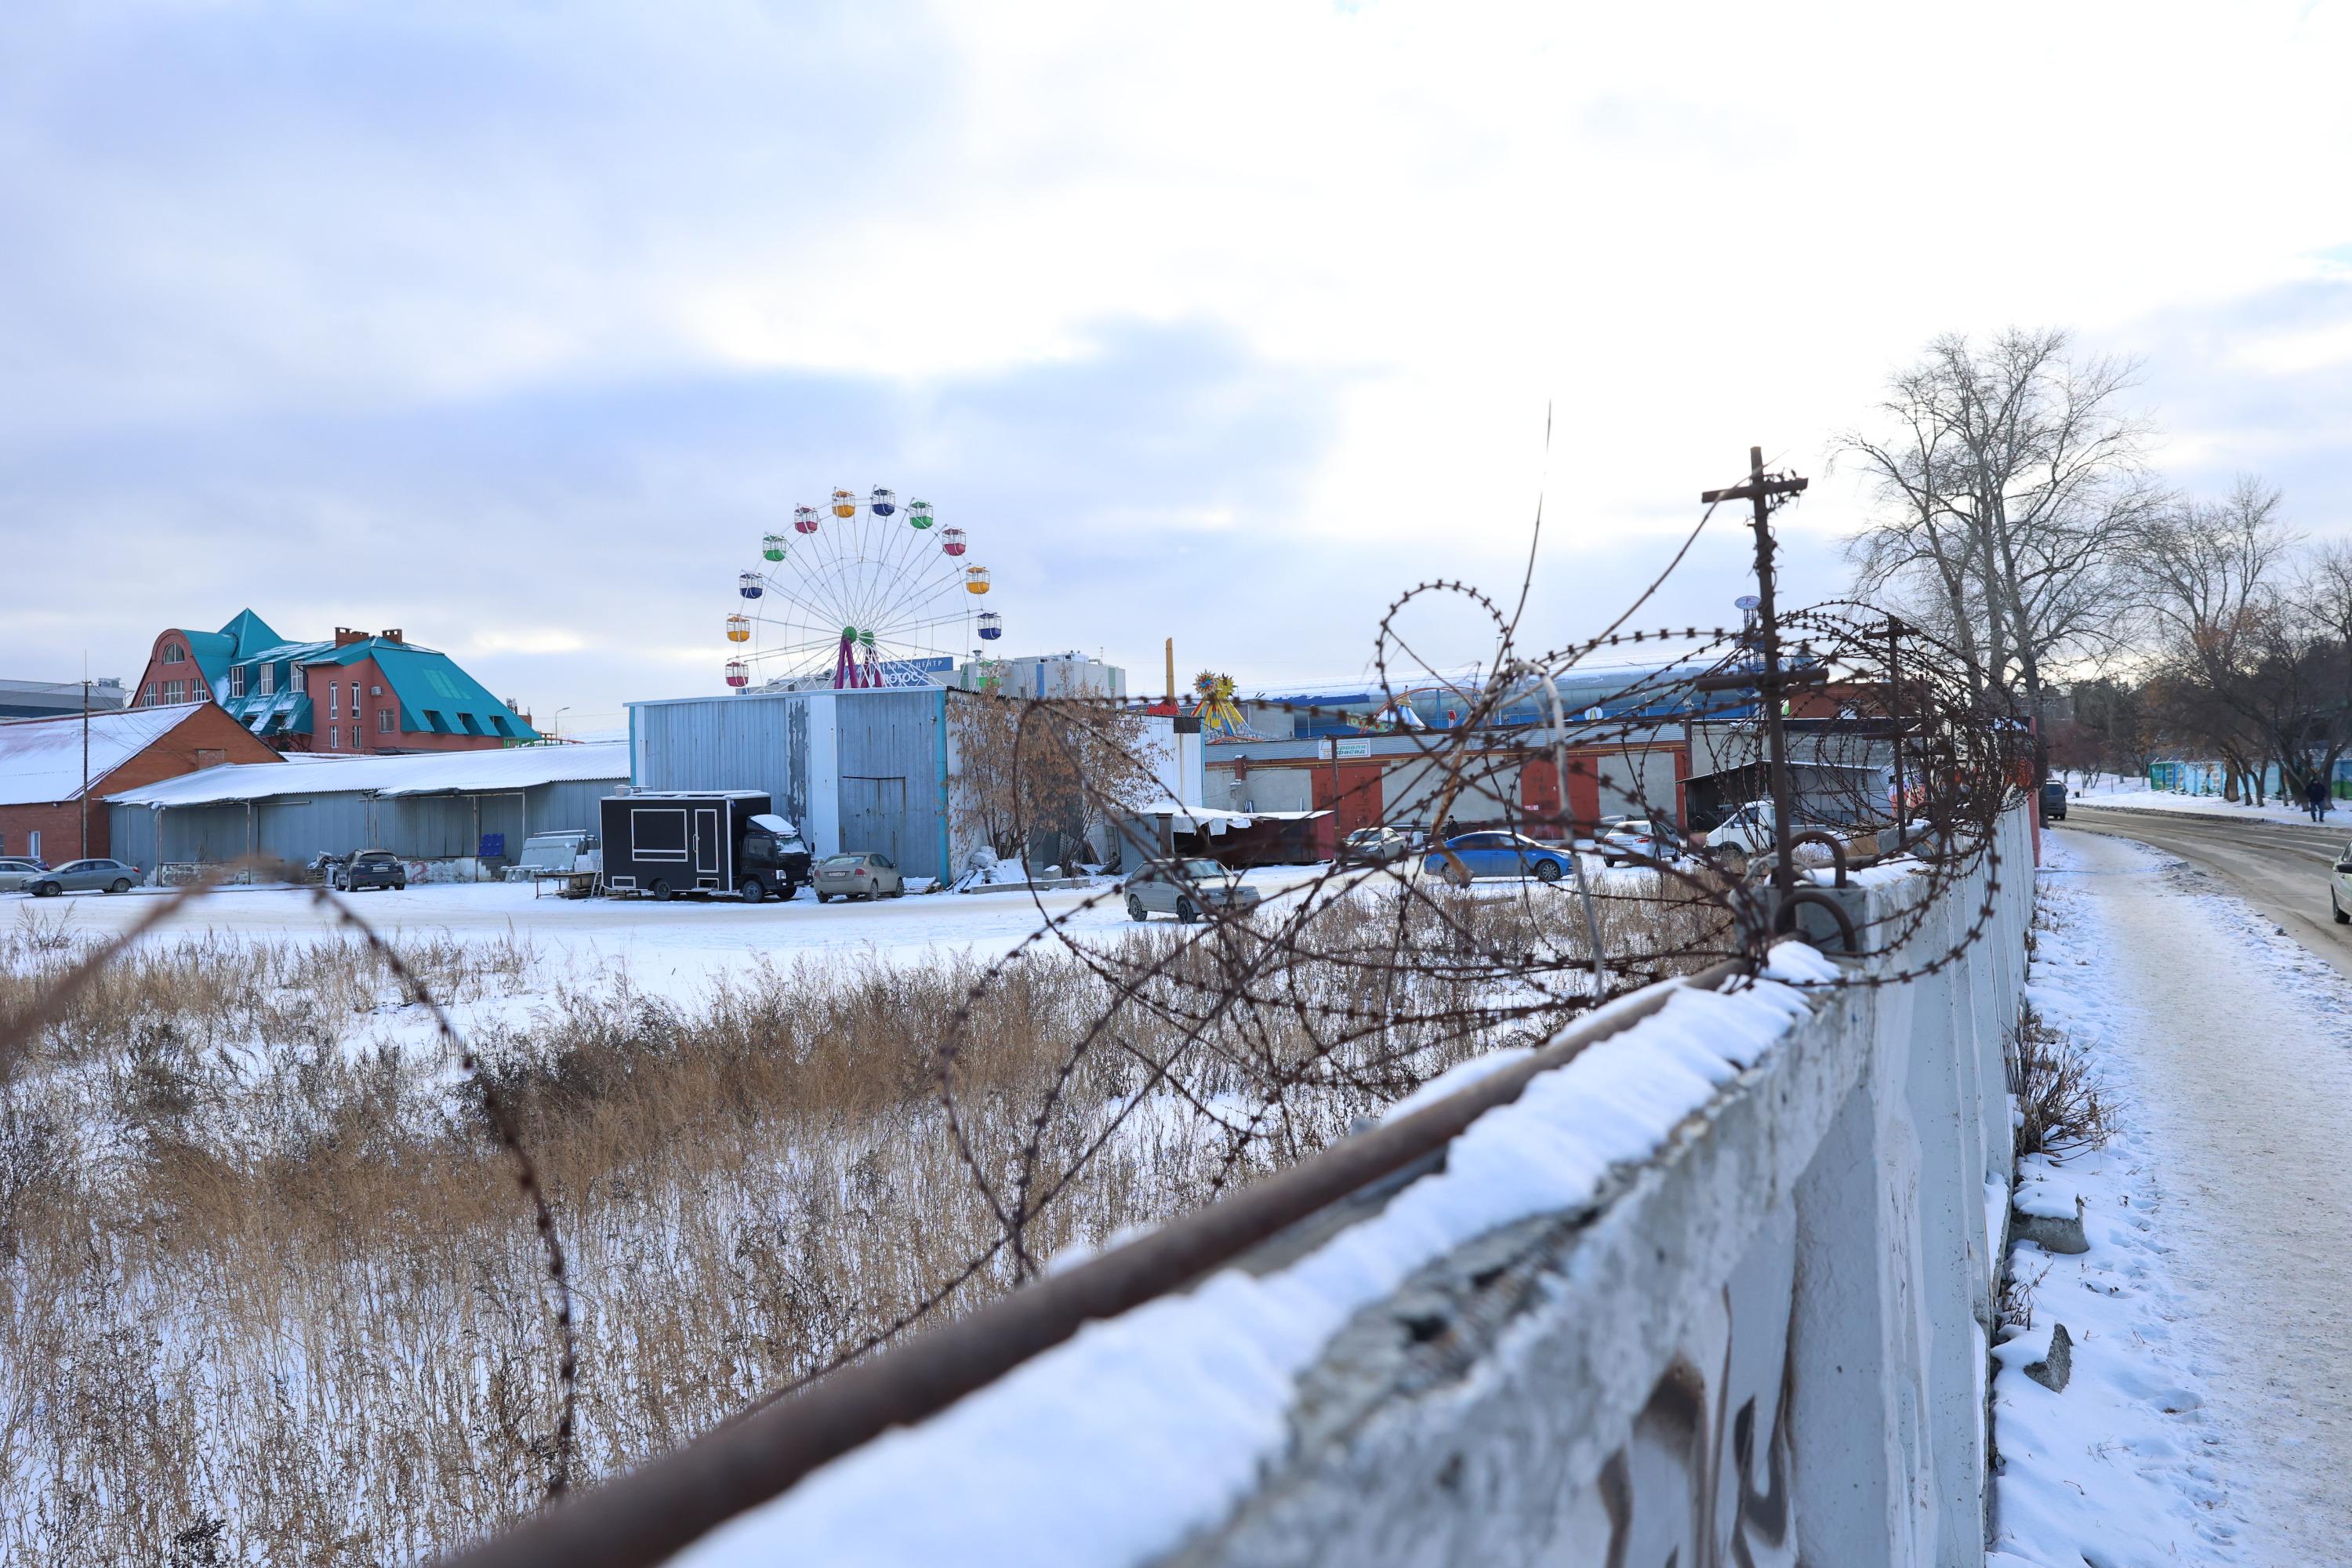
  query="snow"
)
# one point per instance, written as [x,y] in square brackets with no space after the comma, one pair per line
[41,759]
[1156,1423]
[667,948]
[426,772]
[2209,1417]
[2132,795]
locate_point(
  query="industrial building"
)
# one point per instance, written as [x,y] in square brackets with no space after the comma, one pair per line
[55,773]
[852,769]
[55,699]
[466,813]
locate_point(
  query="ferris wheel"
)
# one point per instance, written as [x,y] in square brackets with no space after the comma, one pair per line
[859,594]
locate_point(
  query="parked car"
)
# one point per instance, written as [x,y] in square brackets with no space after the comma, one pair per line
[859,874]
[84,877]
[15,869]
[370,868]
[2339,887]
[1187,889]
[1496,853]
[1376,845]
[1636,839]
[2054,801]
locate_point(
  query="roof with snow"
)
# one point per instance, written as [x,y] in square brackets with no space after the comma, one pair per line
[41,759]
[429,773]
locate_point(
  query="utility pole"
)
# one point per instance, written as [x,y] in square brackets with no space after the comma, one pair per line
[1902,813]
[1765,490]
[83,854]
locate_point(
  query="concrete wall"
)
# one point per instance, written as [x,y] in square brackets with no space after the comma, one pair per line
[1715,1291]
[1767,1345]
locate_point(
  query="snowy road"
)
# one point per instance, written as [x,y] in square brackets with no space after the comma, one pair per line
[2280,868]
[2238,1049]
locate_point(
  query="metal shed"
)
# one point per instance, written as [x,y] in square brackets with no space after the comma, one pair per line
[436,807]
[855,769]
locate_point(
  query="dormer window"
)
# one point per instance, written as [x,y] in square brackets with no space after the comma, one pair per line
[268,679]
[236,680]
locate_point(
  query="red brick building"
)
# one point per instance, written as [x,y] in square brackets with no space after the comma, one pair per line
[359,693]
[44,776]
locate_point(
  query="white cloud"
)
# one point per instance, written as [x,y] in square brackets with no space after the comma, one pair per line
[1685,229]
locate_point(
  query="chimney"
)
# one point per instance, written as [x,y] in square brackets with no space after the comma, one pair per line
[345,636]
[392,634]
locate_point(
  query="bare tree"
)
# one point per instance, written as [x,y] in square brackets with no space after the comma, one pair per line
[2009,480]
[1029,768]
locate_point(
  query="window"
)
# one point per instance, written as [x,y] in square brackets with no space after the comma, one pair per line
[334,700]
[434,722]
[501,725]
[175,653]
[236,680]
[355,698]
[334,737]
[473,726]
[33,844]
[383,721]
[147,698]
[174,690]
[268,679]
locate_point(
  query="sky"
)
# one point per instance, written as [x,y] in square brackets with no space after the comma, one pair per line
[516,326]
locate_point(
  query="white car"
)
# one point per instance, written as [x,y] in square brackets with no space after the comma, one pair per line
[1638,840]
[15,869]
[2339,886]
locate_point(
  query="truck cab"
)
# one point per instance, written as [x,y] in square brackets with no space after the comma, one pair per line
[775,855]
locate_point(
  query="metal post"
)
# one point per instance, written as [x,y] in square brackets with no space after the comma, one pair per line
[1761,490]
[84,854]
[1894,714]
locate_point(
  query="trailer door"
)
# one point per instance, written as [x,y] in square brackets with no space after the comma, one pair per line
[707,846]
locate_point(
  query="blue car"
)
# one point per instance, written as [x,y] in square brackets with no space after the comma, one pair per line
[1497,854]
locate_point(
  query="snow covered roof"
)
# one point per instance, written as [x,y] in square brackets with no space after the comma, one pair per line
[429,773]
[41,761]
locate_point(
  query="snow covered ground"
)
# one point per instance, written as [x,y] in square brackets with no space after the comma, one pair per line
[2133,794]
[2208,1414]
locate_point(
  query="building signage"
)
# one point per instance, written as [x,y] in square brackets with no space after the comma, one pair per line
[914,671]
[1359,747]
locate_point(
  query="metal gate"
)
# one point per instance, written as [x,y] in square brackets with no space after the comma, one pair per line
[874,815]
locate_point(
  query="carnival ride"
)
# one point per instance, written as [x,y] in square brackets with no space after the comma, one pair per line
[859,594]
[1216,710]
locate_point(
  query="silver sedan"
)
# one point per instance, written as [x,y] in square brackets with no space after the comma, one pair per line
[857,875]
[1187,889]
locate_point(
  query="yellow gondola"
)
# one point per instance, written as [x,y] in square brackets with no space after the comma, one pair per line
[975,579]
[738,629]
[844,504]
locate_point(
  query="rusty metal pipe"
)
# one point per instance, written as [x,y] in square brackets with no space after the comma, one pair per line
[637,1519]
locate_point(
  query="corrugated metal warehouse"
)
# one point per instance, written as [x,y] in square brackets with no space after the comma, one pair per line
[430,806]
[856,770]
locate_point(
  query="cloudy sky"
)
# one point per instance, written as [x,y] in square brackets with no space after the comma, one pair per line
[515,325]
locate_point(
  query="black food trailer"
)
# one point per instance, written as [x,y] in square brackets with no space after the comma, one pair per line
[668,842]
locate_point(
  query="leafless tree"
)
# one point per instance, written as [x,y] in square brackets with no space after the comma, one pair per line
[2009,478]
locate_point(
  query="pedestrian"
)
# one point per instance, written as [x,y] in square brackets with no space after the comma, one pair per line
[2315,796]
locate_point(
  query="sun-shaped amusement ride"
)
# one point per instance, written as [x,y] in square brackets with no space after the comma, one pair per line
[859,594]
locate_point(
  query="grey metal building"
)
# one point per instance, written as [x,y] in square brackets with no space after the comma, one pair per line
[430,806]
[855,769]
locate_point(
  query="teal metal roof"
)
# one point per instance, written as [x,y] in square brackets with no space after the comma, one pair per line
[436,696]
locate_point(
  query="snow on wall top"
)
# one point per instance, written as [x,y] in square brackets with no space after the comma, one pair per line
[1114,1445]
[40,759]
[429,773]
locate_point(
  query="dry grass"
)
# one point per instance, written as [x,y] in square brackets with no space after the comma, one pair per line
[266,1293]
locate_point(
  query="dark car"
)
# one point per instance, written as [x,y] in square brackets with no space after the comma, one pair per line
[84,877]
[370,869]
[2054,801]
